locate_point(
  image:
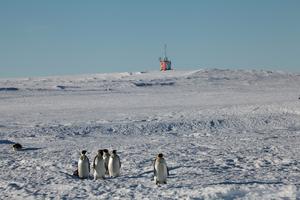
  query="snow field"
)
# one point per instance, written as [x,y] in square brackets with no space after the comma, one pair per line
[225,134]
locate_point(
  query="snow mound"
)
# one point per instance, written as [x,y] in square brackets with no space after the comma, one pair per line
[9,89]
[63,87]
[145,83]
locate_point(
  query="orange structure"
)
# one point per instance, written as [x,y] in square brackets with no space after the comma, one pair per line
[165,63]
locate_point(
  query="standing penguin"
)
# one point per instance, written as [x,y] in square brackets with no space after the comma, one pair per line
[106,159]
[83,165]
[114,164]
[161,171]
[98,166]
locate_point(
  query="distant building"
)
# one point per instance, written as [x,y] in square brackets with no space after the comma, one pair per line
[165,63]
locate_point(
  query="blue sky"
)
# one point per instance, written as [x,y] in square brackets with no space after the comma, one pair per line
[57,37]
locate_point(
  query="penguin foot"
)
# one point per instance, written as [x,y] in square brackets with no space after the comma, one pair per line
[99,177]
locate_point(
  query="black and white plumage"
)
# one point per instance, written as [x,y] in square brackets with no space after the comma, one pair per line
[99,166]
[83,165]
[114,164]
[17,146]
[161,170]
[106,156]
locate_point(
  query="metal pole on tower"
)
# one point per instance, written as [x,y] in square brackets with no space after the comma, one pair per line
[165,51]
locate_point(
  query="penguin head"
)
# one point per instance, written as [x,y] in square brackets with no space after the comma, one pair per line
[100,152]
[105,151]
[160,155]
[83,152]
[113,153]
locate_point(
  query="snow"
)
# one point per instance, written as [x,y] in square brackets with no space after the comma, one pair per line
[225,134]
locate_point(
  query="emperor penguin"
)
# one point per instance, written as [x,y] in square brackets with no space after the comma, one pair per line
[17,146]
[106,159]
[98,166]
[83,165]
[161,171]
[114,164]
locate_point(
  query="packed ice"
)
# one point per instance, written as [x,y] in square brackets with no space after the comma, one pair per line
[225,134]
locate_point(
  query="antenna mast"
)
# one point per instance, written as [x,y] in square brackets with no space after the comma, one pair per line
[165,51]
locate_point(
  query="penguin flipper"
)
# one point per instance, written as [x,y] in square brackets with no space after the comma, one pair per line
[89,164]
[154,170]
[168,171]
[94,162]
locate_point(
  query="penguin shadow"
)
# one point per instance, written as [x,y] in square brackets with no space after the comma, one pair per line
[175,167]
[140,175]
[30,149]
[173,174]
[74,175]
[71,176]
[170,175]
[6,142]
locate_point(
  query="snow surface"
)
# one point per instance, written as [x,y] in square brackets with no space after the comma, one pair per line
[226,134]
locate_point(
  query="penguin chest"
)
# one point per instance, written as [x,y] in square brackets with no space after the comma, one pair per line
[106,159]
[161,171]
[100,167]
[113,166]
[83,168]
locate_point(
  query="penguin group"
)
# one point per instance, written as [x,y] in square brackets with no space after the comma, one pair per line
[106,163]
